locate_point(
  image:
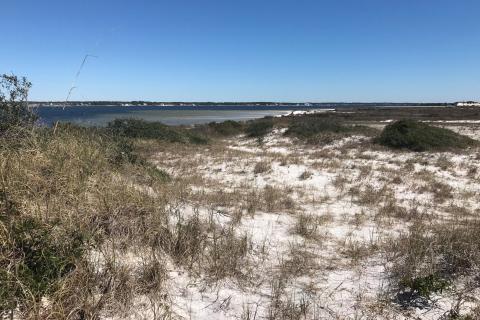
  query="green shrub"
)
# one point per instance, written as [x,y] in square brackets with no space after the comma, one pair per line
[133,128]
[306,128]
[226,128]
[425,286]
[123,152]
[418,136]
[322,131]
[259,128]
[34,257]
[14,109]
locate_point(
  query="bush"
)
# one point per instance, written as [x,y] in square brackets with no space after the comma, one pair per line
[133,128]
[322,131]
[14,110]
[34,256]
[259,128]
[226,128]
[425,286]
[418,136]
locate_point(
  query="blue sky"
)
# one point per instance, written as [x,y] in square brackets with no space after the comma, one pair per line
[245,50]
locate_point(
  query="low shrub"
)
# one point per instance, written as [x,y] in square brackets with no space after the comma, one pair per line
[322,131]
[134,128]
[425,286]
[34,257]
[418,136]
[259,128]
[226,128]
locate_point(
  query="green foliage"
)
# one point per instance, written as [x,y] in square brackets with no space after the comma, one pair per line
[418,136]
[425,286]
[226,128]
[259,128]
[322,131]
[123,152]
[14,110]
[34,256]
[133,128]
[157,174]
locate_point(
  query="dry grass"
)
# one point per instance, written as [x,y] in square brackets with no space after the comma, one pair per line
[224,223]
[261,167]
[430,258]
[308,225]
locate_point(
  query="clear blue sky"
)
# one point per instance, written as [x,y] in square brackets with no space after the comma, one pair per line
[245,50]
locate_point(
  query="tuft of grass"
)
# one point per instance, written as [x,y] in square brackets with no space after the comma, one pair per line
[305,175]
[261,167]
[307,225]
[276,199]
[418,136]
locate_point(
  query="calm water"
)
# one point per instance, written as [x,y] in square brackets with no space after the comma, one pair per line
[101,115]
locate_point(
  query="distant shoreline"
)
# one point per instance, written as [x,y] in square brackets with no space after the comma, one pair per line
[239,105]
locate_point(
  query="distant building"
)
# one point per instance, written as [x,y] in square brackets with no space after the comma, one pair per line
[468,104]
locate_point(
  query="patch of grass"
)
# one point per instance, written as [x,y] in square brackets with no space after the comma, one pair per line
[276,199]
[134,128]
[202,246]
[261,167]
[63,194]
[307,225]
[429,258]
[418,136]
[305,175]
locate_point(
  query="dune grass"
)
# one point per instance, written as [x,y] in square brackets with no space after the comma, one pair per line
[63,194]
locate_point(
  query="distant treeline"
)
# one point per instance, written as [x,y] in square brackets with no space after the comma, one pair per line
[252,103]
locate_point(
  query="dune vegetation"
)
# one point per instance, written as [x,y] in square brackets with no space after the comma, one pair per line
[419,136]
[140,220]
